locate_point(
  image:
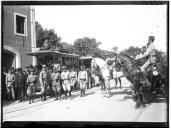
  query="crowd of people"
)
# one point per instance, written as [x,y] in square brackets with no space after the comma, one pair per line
[22,84]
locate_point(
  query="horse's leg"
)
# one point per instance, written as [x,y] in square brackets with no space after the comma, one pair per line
[116,82]
[142,100]
[120,82]
[137,93]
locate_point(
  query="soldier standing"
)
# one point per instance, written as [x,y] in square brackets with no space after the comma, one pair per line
[10,79]
[44,81]
[82,78]
[73,78]
[65,76]
[3,87]
[21,85]
[55,79]
[31,80]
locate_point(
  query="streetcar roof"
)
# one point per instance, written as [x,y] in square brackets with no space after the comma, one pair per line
[86,57]
[37,53]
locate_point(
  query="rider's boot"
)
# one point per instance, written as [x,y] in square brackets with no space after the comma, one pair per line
[145,79]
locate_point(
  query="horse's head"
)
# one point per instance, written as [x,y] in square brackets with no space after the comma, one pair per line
[123,60]
[118,61]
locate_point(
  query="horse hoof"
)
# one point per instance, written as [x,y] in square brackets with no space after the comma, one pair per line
[137,106]
[143,105]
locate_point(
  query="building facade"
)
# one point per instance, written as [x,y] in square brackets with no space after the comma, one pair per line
[19,36]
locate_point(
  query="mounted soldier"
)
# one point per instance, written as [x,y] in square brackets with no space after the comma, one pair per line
[151,54]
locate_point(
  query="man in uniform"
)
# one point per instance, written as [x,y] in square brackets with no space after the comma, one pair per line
[21,84]
[82,79]
[65,76]
[73,75]
[3,86]
[151,52]
[55,80]
[45,46]
[31,80]
[10,79]
[110,66]
[143,50]
[44,81]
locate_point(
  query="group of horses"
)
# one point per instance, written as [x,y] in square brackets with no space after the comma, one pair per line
[130,68]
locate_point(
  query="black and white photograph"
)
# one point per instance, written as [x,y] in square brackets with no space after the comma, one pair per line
[103,62]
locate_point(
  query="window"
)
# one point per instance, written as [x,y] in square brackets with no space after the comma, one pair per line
[20,24]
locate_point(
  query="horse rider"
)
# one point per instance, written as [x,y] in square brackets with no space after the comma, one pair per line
[31,80]
[143,50]
[55,80]
[138,54]
[73,77]
[82,80]
[65,76]
[44,81]
[151,54]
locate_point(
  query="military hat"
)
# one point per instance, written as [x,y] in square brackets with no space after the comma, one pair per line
[63,67]
[44,66]
[32,70]
[152,38]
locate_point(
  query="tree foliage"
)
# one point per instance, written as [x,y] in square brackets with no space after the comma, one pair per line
[43,34]
[132,51]
[86,46]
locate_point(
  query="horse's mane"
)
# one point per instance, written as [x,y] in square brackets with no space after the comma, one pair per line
[126,54]
[100,62]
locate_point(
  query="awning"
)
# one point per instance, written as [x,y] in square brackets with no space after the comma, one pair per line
[37,53]
[86,58]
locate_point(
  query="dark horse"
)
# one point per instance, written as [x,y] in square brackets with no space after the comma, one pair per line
[130,68]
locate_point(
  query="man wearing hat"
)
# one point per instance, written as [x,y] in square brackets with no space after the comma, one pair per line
[83,80]
[151,54]
[21,84]
[55,80]
[44,81]
[10,79]
[31,80]
[66,83]
[73,77]
[143,50]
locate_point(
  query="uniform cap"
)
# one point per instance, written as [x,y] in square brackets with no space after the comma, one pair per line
[63,67]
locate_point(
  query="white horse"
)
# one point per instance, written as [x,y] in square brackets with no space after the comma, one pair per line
[101,69]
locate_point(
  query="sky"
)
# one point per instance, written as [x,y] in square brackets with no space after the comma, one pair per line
[119,26]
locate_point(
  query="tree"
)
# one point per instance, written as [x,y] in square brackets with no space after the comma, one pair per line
[43,34]
[132,51]
[86,46]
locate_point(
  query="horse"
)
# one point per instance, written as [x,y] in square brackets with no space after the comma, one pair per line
[101,70]
[131,69]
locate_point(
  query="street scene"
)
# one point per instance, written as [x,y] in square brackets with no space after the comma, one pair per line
[93,107]
[111,67]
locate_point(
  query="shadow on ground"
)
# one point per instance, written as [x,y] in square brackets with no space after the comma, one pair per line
[125,91]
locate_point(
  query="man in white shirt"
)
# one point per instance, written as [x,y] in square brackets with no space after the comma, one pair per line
[73,77]
[65,76]
[151,52]
[82,79]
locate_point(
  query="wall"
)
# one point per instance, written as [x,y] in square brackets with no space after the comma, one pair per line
[21,43]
